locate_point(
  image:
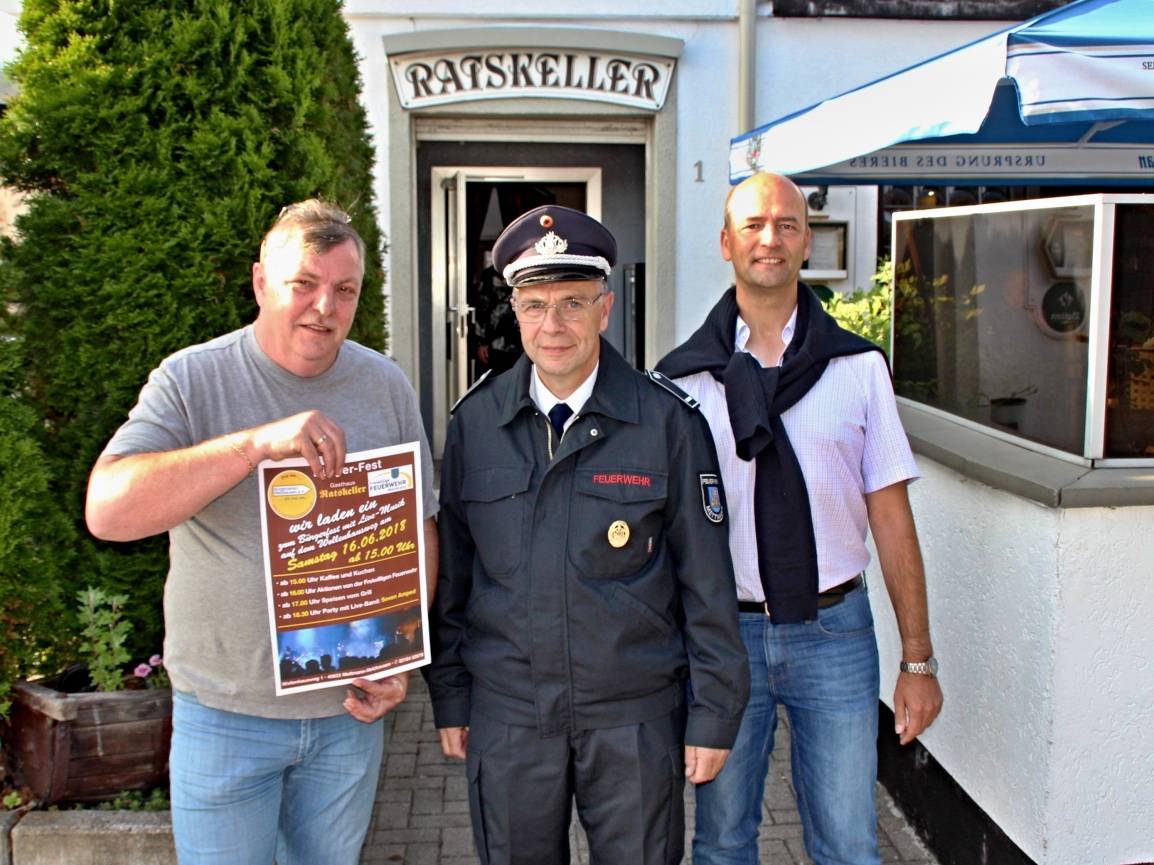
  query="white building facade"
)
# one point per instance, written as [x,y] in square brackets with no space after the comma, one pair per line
[637,102]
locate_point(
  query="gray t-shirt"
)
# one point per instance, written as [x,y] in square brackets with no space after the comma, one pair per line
[217,643]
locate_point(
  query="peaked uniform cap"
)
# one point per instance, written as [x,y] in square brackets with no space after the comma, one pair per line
[554,244]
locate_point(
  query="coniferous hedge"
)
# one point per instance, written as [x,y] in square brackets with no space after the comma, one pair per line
[159,139]
[36,539]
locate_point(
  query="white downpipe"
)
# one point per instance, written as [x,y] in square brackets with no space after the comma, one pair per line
[746,65]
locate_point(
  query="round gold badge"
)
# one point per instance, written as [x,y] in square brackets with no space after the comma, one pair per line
[618,534]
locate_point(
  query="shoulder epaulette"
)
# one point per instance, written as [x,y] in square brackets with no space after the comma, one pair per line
[665,382]
[476,386]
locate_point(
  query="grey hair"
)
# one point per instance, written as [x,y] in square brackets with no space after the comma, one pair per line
[320,225]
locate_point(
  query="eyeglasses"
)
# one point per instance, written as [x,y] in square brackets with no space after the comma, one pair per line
[569,309]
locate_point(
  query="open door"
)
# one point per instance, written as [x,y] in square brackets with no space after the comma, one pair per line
[473,329]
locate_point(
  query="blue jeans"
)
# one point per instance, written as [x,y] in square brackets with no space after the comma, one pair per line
[825,673]
[248,789]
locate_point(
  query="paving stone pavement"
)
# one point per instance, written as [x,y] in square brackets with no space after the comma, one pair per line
[422,809]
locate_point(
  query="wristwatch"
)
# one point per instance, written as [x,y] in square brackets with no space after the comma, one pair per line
[928,667]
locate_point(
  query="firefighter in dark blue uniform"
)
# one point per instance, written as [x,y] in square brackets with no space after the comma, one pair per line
[585,579]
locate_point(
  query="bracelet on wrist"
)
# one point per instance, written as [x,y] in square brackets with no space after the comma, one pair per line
[240,451]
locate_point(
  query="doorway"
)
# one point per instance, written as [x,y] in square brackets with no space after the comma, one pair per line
[494,340]
[471,205]
[465,302]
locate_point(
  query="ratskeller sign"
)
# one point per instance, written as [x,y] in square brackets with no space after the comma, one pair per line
[639,81]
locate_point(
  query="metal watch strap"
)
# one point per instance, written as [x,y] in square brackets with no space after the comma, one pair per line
[929,667]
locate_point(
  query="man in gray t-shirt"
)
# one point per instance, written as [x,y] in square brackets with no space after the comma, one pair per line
[255,775]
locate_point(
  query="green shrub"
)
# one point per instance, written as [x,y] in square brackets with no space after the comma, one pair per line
[867,311]
[36,540]
[158,140]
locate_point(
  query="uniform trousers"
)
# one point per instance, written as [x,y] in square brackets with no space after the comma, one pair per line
[627,783]
[825,673]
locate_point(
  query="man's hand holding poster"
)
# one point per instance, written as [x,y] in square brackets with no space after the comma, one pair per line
[344,559]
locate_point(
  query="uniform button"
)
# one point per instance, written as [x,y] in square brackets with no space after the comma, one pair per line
[593,432]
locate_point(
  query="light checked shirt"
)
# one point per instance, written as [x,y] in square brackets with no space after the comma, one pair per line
[849,442]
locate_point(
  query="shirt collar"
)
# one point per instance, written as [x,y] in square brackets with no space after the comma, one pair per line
[544,399]
[741,337]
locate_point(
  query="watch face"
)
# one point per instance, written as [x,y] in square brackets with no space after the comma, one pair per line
[933,662]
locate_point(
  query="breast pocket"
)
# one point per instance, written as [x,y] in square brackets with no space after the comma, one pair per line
[618,515]
[494,503]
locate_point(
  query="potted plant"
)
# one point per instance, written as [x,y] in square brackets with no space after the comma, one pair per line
[94,731]
[1007,411]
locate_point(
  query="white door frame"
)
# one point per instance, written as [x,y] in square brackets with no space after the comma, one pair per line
[449,282]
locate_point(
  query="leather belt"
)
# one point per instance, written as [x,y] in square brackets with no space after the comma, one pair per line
[828,598]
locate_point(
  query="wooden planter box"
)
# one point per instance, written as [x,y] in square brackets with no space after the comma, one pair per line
[89,747]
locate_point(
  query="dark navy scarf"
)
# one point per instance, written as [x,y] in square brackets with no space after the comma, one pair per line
[757,397]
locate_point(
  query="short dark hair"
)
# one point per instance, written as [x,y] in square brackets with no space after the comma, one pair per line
[321,227]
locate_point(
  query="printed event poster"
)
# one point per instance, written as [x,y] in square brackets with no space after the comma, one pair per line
[345,564]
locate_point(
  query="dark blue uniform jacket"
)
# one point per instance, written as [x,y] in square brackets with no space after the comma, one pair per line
[539,620]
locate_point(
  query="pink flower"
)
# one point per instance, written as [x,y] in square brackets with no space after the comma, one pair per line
[142,670]
[156,660]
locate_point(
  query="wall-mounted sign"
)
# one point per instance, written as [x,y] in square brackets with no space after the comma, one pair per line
[992,163]
[438,78]
[1063,309]
[827,253]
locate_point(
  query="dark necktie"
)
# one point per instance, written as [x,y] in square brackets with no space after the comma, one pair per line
[558,415]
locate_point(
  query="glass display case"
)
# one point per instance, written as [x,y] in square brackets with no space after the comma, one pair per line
[1033,321]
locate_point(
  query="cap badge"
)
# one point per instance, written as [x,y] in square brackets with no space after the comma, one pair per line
[546,221]
[551,244]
